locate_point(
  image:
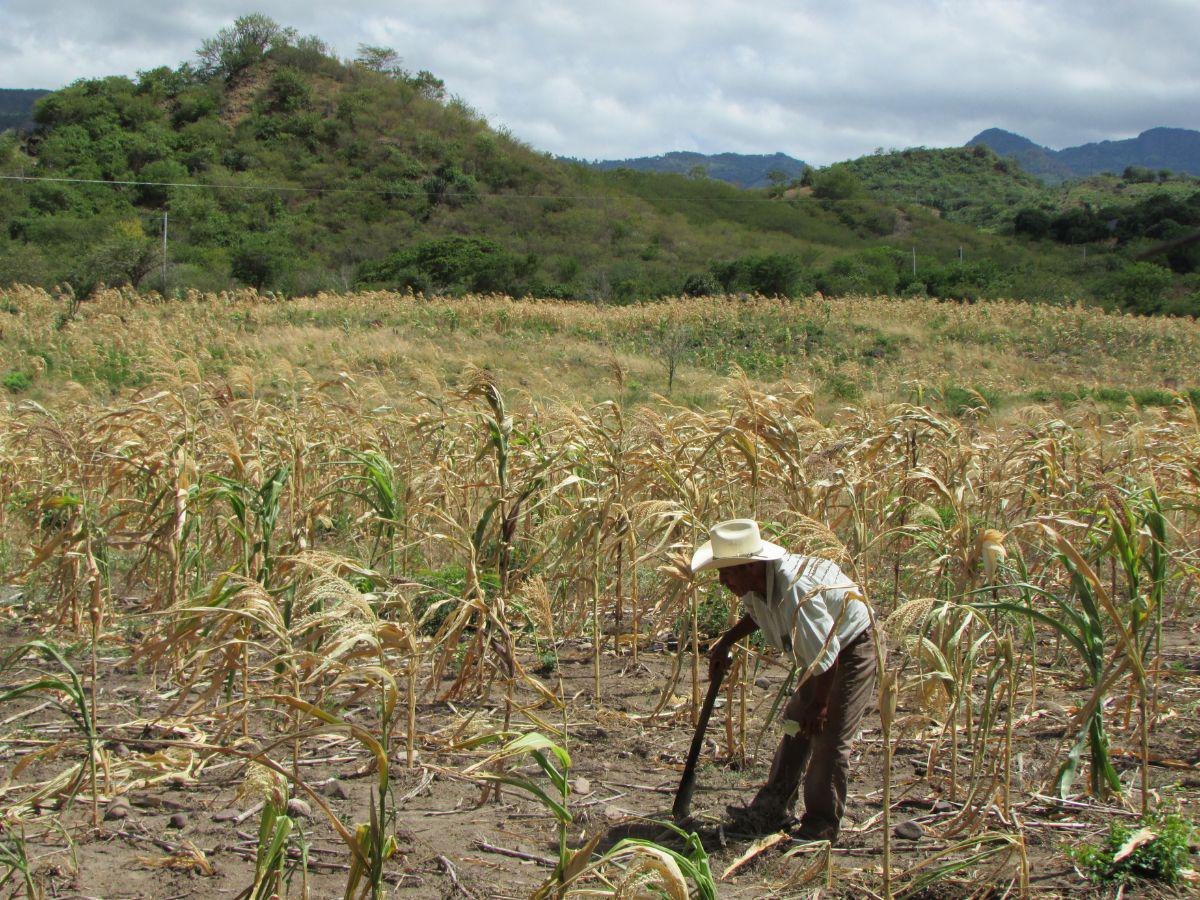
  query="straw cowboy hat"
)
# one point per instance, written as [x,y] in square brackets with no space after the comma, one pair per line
[734,543]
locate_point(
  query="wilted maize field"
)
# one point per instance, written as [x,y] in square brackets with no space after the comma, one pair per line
[285,629]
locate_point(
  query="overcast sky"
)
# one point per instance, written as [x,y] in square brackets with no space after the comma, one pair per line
[821,80]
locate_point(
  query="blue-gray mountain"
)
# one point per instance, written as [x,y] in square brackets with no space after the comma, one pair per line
[1174,149]
[16,107]
[746,170]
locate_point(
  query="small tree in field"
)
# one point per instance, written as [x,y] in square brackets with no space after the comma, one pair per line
[673,339]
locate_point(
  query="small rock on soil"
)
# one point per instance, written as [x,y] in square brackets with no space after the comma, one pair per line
[118,808]
[909,831]
[299,809]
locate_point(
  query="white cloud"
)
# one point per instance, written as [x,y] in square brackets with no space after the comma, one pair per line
[820,79]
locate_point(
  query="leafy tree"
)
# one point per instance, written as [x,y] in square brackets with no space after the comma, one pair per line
[771,274]
[194,103]
[872,272]
[453,264]
[1080,225]
[288,92]
[701,284]
[451,186]
[429,85]
[1184,256]
[836,183]
[260,260]
[778,180]
[245,43]
[1032,222]
[1140,287]
[379,59]
[966,281]
[1137,175]
[162,172]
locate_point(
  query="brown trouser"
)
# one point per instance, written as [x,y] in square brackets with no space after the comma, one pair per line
[827,755]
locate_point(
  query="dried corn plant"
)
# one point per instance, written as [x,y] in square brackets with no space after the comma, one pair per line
[282,542]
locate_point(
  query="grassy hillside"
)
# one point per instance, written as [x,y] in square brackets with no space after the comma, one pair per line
[964,184]
[273,164]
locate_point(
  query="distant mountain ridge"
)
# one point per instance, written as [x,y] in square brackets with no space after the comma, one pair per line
[16,107]
[748,170]
[1176,149]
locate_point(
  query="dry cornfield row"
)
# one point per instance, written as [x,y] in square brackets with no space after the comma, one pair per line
[294,564]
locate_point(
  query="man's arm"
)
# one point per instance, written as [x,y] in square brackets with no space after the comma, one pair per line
[718,655]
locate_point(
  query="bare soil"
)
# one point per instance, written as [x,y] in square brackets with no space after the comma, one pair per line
[626,766]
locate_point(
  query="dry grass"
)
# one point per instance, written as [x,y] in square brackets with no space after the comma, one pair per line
[873,349]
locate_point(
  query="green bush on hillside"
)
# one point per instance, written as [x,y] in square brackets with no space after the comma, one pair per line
[872,272]
[1139,287]
[771,274]
[451,265]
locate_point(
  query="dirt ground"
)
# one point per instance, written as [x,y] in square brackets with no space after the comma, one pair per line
[626,766]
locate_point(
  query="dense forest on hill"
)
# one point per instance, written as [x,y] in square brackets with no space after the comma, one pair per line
[271,163]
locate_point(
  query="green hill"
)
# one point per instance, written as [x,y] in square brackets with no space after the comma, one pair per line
[274,164]
[1035,159]
[748,170]
[1175,150]
[971,185]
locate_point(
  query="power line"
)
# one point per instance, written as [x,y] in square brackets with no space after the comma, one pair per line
[374,191]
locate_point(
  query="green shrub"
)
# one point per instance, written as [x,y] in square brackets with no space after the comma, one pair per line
[872,272]
[454,264]
[15,382]
[1111,395]
[1160,859]
[701,284]
[960,400]
[771,274]
[842,387]
[1153,397]
[1140,287]
[446,590]
[1042,395]
[547,663]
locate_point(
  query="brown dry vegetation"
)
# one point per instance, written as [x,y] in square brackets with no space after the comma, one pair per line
[293,544]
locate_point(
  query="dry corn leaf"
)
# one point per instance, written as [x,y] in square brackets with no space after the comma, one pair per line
[759,846]
[1135,840]
[188,858]
[662,867]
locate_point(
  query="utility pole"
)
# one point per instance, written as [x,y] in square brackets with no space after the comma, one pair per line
[164,254]
[960,254]
[914,258]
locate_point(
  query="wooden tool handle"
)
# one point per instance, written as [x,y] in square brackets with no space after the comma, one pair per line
[682,808]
